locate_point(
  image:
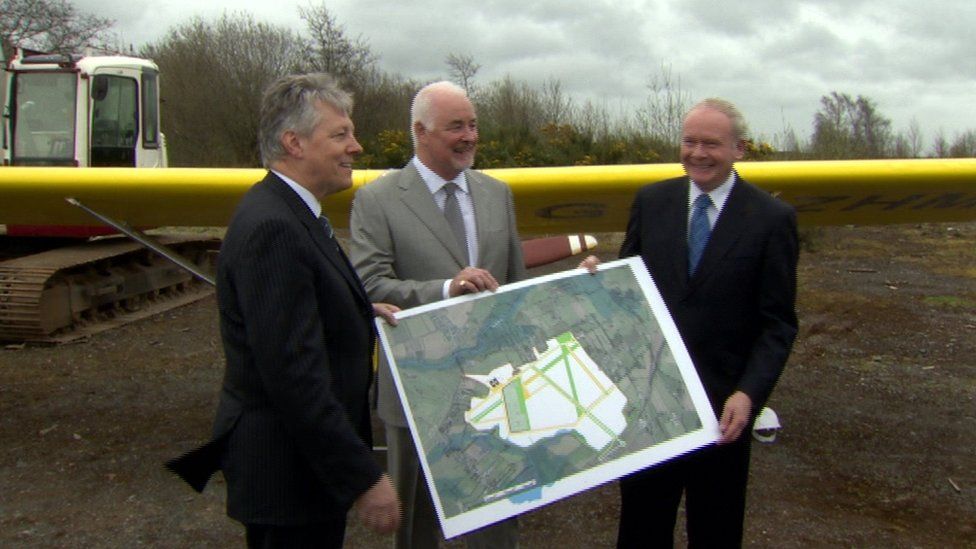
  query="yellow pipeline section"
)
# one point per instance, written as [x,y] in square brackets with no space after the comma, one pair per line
[548,200]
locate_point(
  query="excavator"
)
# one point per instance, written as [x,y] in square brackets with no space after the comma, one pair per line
[79,133]
[82,111]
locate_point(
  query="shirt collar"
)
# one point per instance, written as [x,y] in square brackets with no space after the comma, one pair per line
[718,195]
[307,197]
[435,182]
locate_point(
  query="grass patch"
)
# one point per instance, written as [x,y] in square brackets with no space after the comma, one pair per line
[952,301]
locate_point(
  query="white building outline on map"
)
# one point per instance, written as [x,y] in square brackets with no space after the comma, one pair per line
[563,389]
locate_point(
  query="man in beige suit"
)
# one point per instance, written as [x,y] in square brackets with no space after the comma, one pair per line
[432,230]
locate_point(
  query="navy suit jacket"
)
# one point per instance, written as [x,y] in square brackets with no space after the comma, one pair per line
[292,429]
[736,314]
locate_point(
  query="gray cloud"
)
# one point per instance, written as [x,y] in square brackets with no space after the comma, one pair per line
[775,58]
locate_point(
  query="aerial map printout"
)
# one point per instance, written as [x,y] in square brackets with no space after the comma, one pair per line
[544,389]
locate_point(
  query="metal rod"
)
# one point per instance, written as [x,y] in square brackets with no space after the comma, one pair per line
[146,241]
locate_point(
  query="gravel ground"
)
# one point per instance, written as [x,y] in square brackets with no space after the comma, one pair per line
[878,405]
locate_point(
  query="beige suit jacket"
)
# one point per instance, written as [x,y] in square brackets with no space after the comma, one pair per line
[403,249]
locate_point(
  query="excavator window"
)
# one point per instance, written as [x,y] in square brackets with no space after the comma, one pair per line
[115,121]
[150,111]
[43,119]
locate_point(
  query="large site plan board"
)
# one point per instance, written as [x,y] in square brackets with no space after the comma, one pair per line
[544,389]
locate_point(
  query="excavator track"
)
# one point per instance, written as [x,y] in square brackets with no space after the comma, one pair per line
[70,293]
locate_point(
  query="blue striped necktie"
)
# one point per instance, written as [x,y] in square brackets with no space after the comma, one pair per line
[327,226]
[698,231]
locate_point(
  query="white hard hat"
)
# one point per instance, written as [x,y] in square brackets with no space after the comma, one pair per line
[766,426]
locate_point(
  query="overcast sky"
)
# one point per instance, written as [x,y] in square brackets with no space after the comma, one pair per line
[774,58]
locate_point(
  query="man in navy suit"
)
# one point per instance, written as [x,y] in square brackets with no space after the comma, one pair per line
[292,431]
[725,265]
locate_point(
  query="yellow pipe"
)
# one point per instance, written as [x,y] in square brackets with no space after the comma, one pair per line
[548,200]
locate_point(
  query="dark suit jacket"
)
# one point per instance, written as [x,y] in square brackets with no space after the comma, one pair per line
[292,431]
[736,314]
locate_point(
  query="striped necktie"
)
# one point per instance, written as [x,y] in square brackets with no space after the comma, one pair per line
[452,211]
[698,231]
[327,226]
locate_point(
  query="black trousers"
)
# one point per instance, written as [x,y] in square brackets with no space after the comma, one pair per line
[714,483]
[306,536]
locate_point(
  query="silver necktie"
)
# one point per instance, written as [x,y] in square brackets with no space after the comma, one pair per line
[452,211]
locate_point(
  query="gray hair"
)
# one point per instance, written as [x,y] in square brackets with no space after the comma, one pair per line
[289,104]
[740,130]
[420,110]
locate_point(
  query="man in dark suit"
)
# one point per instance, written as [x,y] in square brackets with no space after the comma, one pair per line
[725,265]
[292,431]
[410,252]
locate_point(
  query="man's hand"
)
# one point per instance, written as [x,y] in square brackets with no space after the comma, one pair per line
[386,311]
[735,417]
[590,263]
[472,280]
[379,508]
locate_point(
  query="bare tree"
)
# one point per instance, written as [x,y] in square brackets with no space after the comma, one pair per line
[557,107]
[382,100]
[462,69]
[850,128]
[914,137]
[901,147]
[213,74]
[381,115]
[332,51]
[908,144]
[509,109]
[940,145]
[664,109]
[49,25]
[964,145]
[789,144]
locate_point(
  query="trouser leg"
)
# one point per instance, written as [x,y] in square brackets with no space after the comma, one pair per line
[649,502]
[419,526]
[715,497]
[306,536]
[501,535]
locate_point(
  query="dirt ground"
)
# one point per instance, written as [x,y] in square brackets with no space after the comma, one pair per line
[878,405]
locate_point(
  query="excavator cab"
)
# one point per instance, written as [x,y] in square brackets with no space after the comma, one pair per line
[80,111]
[64,111]
[83,111]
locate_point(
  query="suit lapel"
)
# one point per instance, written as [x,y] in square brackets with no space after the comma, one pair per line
[417,198]
[674,228]
[329,247]
[334,254]
[482,214]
